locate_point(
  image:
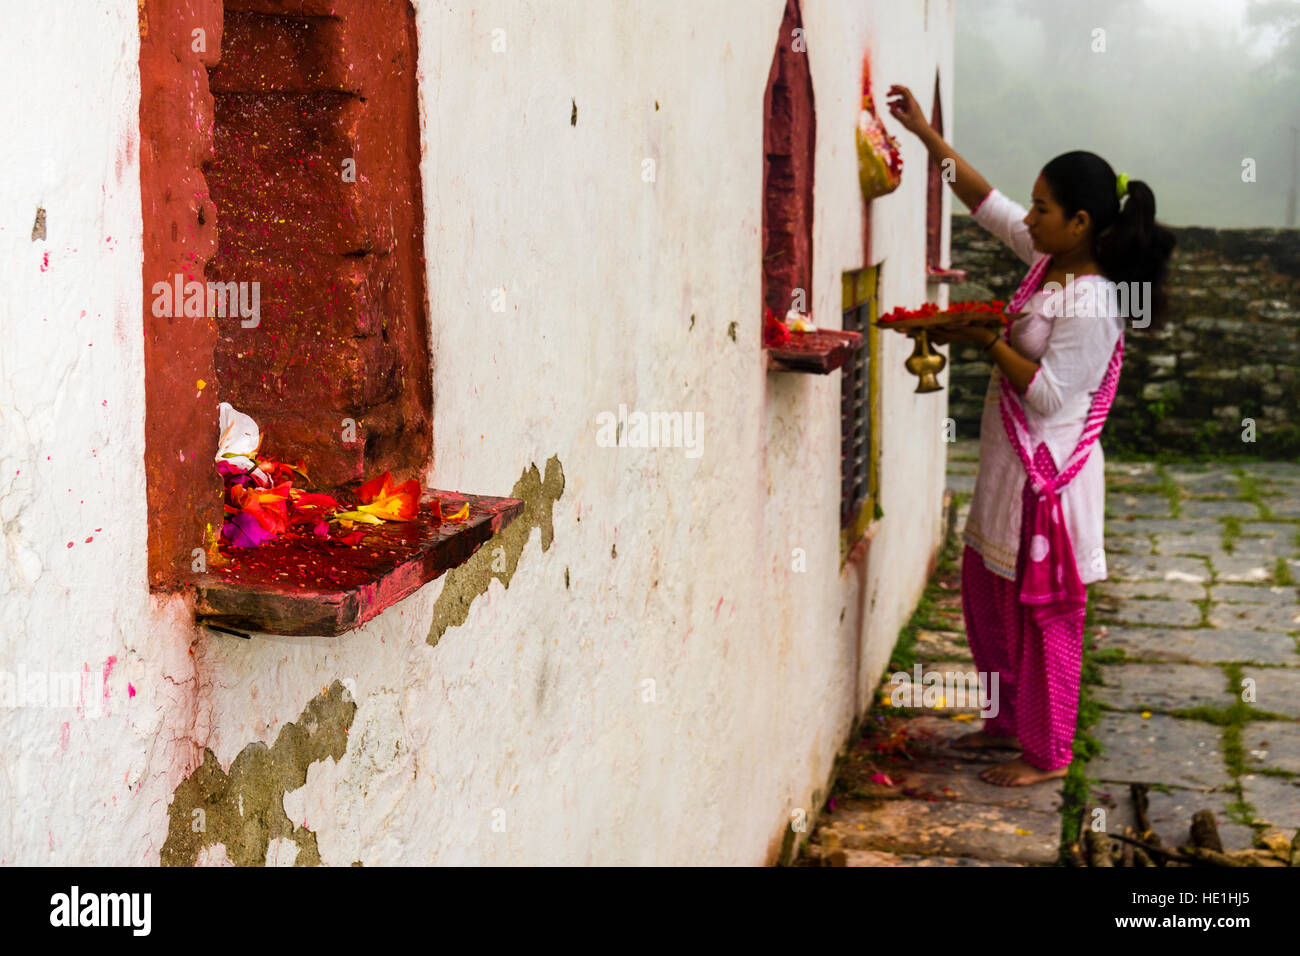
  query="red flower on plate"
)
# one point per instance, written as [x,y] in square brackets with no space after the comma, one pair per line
[392,502]
[775,332]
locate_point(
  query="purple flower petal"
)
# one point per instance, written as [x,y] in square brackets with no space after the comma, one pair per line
[243,531]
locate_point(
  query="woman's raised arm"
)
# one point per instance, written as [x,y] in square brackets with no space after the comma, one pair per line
[968,184]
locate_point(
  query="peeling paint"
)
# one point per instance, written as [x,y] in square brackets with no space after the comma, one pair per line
[499,557]
[244,809]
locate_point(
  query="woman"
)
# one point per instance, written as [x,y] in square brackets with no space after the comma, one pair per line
[1033,538]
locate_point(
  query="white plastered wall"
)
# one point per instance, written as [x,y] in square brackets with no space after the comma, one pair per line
[536,706]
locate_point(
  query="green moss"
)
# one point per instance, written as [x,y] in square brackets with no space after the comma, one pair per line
[1076,790]
[1231,532]
[1282,573]
[499,556]
[243,810]
[1170,489]
[1248,490]
[924,616]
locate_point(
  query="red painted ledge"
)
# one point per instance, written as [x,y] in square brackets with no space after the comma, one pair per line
[317,588]
[940,276]
[820,352]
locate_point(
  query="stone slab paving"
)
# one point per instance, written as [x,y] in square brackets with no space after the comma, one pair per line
[1272,744]
[1116,591]
[1284,507]
[1195,544]
[877,858]
[980,832]
[1138,567]
[1262,546]
[1276,689]
[1164,526]
[1129,543]
[962,483]
[941,645]
[1150,612]
[1264,617]
[1253,618]
[1276,800]
[1163,687]
[1171,814]
[907,797]
[1269,469]
[1122,505]
[968,449]
[1253,594]
[1160,749]
[1219,508]
[1245,570]
[945,688]
[1285,529]
[1206,645]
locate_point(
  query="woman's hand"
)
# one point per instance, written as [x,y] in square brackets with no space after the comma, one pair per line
[973,335]
[907,110]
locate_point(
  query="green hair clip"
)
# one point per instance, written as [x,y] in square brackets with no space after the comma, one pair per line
[1121,185]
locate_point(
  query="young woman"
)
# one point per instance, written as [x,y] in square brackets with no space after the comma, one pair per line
[1033,538]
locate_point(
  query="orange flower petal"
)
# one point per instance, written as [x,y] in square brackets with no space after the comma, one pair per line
[375,487]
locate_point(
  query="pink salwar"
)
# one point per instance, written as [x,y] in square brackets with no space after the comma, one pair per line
[1038,666]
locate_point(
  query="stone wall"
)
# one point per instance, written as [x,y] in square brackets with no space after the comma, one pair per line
[1229,351]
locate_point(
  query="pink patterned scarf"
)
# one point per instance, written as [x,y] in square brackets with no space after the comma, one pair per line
[1051,578]
[1030,285]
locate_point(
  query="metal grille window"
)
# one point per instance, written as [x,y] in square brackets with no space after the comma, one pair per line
[859,432]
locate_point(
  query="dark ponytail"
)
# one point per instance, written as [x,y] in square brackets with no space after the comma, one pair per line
[1127,242]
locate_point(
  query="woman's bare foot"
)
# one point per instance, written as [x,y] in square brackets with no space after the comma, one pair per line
[978,739]
[1019,772]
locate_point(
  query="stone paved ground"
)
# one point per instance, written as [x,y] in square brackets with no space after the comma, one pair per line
[1200,610]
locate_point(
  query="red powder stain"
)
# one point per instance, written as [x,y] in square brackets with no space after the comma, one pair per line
[108,670]
[90,539]
[81,704]
[99,529]
[45,261]
[130,690]
[64,736]
[69,544]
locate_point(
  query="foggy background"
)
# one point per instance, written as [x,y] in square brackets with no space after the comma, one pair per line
[1185,90]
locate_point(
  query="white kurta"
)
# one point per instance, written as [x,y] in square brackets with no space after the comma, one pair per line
[1073,352]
